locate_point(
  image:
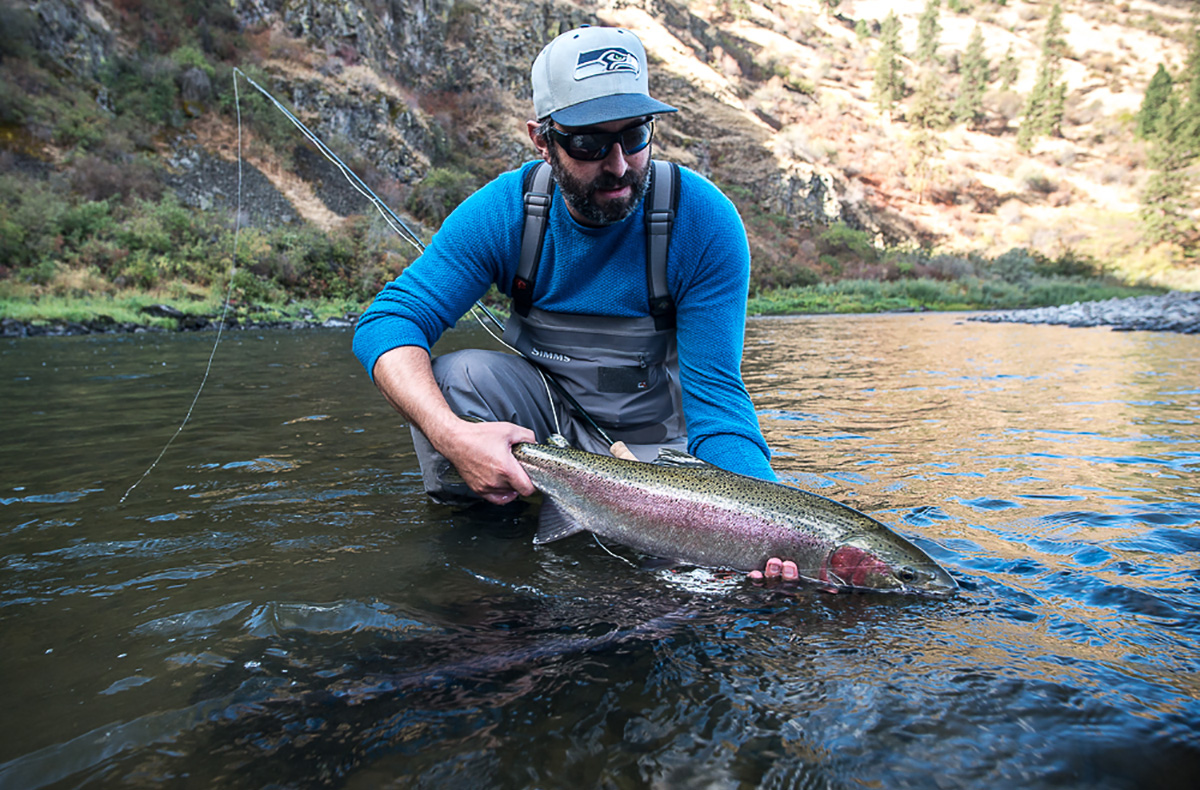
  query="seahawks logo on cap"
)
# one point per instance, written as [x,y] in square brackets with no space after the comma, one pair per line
[605,61]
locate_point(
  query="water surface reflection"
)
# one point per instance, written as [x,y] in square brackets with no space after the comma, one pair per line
[278,605]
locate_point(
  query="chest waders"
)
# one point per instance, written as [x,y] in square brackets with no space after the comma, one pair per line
[623,371]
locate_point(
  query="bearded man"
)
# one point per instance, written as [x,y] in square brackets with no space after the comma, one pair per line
[636,307]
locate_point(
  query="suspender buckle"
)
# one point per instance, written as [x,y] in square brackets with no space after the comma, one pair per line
[659,222]
[537,204]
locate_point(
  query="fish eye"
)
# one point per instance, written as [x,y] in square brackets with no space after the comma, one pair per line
[906,575]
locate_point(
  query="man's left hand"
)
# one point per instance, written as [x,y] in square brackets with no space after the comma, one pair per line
[777,570]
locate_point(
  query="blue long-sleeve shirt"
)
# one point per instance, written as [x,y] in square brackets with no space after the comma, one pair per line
[597,271]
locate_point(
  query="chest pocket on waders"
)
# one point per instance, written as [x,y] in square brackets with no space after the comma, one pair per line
[623,371]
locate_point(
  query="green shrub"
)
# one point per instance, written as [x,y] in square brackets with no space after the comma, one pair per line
[1071,264]
[841,240]
[189,56]
[1015,266]
[249,287]
[79,123]
[19,25]
[81,222]
[30,216]
[15,105]
[269,124]
[439,193]
[925,292]
[144,89]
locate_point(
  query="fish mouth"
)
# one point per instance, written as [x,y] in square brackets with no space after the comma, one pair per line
[938,591]
[941,588]
[853,567]
[929,582]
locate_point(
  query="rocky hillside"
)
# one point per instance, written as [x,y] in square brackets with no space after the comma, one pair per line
[776,99]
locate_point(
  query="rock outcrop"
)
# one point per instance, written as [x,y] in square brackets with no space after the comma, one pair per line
[403,85]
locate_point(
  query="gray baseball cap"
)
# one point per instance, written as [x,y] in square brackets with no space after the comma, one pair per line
[592,75]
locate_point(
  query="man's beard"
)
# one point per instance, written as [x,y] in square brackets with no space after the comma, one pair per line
[582,196]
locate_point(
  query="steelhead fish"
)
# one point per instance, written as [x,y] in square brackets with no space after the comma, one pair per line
[681,508]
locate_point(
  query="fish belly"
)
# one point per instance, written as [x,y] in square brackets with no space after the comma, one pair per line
[690,529]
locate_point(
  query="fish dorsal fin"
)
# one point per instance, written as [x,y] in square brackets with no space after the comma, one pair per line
[555,524]
[557,440]
[668,456]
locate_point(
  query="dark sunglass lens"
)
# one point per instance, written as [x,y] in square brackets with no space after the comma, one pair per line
[589,146]
[637,138]
[584,146]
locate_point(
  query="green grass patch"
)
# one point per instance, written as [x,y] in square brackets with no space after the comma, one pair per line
[122,308]
[130,307]
[972,293]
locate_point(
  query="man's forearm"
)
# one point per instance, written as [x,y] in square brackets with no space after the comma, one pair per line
[404,376]
[481,452]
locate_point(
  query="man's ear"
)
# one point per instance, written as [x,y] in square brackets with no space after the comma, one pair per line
[540,143]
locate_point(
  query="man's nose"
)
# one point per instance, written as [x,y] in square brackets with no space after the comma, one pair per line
[615,161]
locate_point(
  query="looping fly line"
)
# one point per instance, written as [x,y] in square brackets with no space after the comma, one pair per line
[389,217]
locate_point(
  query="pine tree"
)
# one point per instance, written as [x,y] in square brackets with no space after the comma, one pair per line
[923,146]
[928,109]
[1191,79]
[968,107]
[889,76]
[1169,195]
[1047,102]
[1158,93]
[1009,70]
[1166,198]
[928,32]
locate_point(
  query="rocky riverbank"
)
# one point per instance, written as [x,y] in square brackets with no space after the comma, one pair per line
[184,322]
[1176,311]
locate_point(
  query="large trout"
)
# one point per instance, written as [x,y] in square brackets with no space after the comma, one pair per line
[681,508]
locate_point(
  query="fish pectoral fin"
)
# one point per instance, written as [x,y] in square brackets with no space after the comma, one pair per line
[659,563]
[824,586]
[669,456]
[555,524]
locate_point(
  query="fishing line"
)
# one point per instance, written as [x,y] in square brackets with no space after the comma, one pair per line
[389,216]
[237,226]
[396,224]
[393,221]
[408,235]
[610,551]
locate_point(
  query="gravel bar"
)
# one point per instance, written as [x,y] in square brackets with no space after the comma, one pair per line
[1177,311]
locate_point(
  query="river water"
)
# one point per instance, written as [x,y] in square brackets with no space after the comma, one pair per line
[277,605]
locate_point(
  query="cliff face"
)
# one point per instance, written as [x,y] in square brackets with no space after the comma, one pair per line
[402,85]
[775,97]
[465,67]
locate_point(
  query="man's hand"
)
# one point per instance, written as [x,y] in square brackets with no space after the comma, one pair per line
[777,569]
[482,454]
[480,451]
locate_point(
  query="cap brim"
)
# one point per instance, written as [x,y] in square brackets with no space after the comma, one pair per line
[610,108]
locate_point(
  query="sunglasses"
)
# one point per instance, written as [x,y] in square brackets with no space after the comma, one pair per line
[594,146]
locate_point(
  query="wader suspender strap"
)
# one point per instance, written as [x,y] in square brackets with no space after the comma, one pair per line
[660,216]
[662,201]
[533,234]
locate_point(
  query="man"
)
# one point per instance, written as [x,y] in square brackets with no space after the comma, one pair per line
[652,375]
